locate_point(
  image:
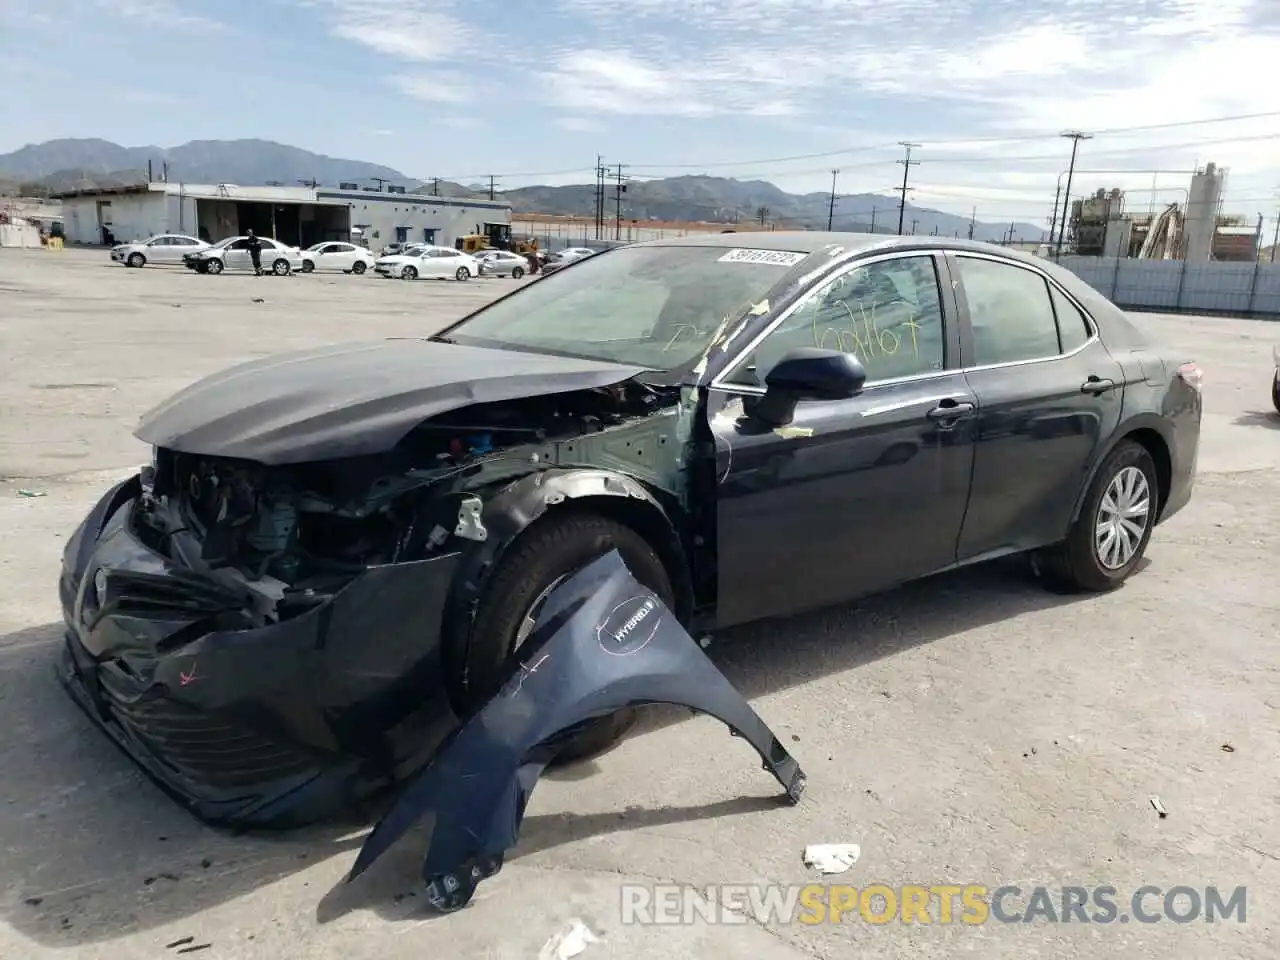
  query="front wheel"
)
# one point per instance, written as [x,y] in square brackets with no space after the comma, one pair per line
[136,260]
[213,266]
[517,273]
[553,549]
[1107,541]
[409,273]
[280,268]
[308,266]
[358,267]
[462,274]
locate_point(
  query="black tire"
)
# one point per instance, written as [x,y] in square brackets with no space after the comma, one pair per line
[214,266]
[551,549]
[307,266]
[409,273]
[136,260]
[280,268]
[358,267]
[1275,392]
[1074,564]
[462,273]
[517,273]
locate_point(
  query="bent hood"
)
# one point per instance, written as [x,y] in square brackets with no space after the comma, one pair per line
[354,399]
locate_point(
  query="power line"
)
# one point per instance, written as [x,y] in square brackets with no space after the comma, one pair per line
[831,209]
[1075,136]
[1026,138]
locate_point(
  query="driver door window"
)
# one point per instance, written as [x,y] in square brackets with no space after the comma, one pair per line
[888,314]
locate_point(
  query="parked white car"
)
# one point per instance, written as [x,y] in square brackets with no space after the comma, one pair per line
[502,263]
[233,254]
[430,262]
[335,255]
[163,248]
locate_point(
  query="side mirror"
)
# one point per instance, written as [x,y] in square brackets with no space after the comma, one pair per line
[808,373]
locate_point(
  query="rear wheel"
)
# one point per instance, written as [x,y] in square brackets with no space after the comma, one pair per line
[517,273]
[409,273]
[1108,540]
[280,268]
[308,266]
[358,267]
[213,266]
[462,274]
[136,260]
[550,551]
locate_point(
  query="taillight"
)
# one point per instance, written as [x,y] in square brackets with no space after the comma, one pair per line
[1191,375]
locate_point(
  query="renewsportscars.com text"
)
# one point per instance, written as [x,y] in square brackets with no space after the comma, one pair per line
[968,904]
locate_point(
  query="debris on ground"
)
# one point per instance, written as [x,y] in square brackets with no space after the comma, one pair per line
[259,300]
[31,493]
[570,941]
[198,947]
[1228,748]
[179,943]
[831,858]
[1158,807]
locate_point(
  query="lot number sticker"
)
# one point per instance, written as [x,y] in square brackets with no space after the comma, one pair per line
[777,258]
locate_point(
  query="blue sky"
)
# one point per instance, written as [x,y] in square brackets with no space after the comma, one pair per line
[532,90]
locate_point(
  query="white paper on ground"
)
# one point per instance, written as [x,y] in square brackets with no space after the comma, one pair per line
[831,857]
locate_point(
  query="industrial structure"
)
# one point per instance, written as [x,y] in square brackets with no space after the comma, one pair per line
[299,216]
[1196,231]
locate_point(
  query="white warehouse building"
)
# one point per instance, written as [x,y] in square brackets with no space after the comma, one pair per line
[299,216]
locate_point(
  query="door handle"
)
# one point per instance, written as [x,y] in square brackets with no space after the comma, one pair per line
[951,410]
[1097,385]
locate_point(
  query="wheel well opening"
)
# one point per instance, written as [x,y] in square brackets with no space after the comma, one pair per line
[1155,445]
[646,521]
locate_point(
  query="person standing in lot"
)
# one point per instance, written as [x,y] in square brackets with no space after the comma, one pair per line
[255,252]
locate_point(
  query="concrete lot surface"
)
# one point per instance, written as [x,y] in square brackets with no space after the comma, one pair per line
[972,729]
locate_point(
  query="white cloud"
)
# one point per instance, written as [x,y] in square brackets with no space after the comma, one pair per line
[409,30]
[579,125]
[167,14]
[434,87]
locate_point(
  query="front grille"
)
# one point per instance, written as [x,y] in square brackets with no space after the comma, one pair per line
[202,748]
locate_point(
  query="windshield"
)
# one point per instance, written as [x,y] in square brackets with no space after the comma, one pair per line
[655,307]
[223,243]
[315,246]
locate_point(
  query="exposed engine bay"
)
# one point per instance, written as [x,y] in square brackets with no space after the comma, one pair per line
[293,534]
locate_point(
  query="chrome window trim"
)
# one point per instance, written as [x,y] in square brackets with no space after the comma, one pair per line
[718,381]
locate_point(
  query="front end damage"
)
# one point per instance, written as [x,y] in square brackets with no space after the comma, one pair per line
[268,641]
[601,644]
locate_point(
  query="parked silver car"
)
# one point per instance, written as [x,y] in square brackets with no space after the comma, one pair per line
[502,263]
[233,254]
[162,248]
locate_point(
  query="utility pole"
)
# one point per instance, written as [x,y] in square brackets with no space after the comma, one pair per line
[492,183]
[973,221]
[379,181]
[913,228]
[906,170]
[831,207]
[873,219]
[1075,136]
[600,172]
[435,186]
[312,183]
[1053,220]
[762,214]
[619,188]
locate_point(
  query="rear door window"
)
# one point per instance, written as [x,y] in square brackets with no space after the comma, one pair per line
[1010,312]
[1073,329]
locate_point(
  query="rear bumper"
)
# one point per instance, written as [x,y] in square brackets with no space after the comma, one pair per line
[265,726]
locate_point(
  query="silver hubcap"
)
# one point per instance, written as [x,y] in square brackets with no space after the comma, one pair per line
[1122,518]
[531,617]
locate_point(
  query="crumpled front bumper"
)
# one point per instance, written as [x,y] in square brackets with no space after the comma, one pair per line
[272,725]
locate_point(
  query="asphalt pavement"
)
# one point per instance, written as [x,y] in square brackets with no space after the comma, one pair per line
[970,729]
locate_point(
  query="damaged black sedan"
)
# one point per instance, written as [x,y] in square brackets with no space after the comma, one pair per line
[337,557]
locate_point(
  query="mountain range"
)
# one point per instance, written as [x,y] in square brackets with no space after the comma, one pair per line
[61,165]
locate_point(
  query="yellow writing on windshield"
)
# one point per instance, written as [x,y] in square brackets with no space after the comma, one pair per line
[863,337]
